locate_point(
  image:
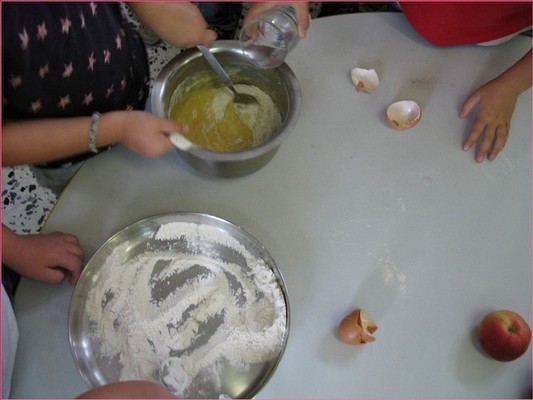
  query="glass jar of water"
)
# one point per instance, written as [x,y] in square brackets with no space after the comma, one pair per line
[267,39]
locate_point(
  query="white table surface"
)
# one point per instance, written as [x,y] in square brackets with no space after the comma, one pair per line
[355,213]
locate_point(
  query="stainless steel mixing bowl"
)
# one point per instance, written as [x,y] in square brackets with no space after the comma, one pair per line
[279,83]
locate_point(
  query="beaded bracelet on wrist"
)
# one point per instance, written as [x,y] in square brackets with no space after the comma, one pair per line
[92,132]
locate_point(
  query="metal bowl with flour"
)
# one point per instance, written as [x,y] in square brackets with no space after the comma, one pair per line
[186,299]
[279,83]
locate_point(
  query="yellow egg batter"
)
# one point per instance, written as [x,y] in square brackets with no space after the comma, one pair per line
[216,123]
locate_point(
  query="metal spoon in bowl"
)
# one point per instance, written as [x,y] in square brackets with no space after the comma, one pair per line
[238,98]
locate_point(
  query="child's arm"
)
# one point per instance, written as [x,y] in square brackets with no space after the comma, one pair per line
[496,99]
[41,140]
[180,24]
[46,258]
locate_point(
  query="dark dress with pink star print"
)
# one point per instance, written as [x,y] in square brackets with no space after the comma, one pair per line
[70,59]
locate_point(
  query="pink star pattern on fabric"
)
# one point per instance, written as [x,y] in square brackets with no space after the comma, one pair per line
[107,56]
[36,106]
[110,90]
[42,32]
[65,25]
[92,60]
[88,99]
[118,42]
[24,39]
[68,70]
[44,70]
[65,59]
[16,81]
[64,101]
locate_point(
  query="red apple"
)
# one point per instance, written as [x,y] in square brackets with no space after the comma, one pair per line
[504,335]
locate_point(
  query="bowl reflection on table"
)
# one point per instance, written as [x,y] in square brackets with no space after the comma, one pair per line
[279,83]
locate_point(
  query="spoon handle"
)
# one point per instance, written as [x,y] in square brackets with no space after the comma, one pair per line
[180,141]
[217,67]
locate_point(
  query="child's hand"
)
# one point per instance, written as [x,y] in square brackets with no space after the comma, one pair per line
[47,258]
[181,24]
[496,103]
[147,134]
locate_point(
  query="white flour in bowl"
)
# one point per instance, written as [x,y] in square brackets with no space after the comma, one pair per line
[183,316]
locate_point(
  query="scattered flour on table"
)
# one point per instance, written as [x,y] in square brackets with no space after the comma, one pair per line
[391,274]
[182,316]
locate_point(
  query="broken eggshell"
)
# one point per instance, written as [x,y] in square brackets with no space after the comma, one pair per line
[403,114]
[365,80]
[357,328]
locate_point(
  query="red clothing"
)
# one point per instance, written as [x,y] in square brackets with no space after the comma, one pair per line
[458,23]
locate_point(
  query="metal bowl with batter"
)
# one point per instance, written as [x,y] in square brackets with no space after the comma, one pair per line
[279,83]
